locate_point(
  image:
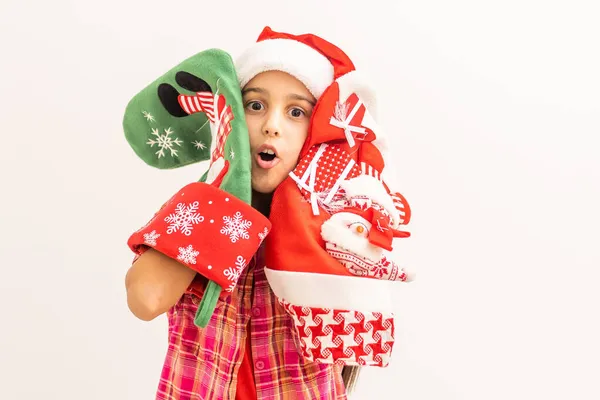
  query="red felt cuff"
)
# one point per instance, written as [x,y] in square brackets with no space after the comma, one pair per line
[209,230]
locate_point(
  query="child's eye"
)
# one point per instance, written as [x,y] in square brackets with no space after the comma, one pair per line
[254,106]
[297,112]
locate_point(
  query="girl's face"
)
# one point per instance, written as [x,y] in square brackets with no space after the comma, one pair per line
[278,110]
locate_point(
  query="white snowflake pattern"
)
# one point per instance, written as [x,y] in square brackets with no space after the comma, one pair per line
[199,145]
[262,235]
[236,227]
[149,117]
[380,269]
[184,218]
[233,274]
[231,154]
[164,142]
[150,238]
[188,254]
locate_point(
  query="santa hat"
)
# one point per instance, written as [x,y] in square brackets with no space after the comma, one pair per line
[311,59]
[326,71]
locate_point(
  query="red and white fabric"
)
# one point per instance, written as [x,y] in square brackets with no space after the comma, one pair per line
[207,229]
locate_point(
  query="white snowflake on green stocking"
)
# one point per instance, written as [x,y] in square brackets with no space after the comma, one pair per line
[164,142]
[199,145]
[149,117]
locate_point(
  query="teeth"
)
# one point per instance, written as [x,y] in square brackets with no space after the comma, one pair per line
[269,151]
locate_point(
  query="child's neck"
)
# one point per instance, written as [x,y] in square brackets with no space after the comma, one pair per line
[262,202]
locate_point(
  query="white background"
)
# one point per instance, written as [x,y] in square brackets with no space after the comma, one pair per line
[494,113]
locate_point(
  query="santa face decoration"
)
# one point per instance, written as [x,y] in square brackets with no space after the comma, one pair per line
[347,239]
[349,232]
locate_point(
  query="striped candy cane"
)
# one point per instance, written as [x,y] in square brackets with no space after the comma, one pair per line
[218,112]
[402,207]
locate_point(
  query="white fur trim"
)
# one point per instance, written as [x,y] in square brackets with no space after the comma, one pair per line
[366,185]
[353,82]
[297,59]
[332,291]
[335,230]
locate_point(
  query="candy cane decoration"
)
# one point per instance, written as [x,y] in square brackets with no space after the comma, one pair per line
[402,206]
[367,169]
[218,112]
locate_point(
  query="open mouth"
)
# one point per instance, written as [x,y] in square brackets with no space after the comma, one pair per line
[267,155]
[267,158]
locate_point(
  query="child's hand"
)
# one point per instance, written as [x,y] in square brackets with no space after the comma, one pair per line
[155,283]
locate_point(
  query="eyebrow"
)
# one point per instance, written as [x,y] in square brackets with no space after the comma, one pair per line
[253,89]
[299,97]
[290,96]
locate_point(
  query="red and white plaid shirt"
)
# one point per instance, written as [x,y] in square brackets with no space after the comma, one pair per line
[202,363]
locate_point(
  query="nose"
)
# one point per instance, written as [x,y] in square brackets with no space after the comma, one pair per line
[272,124]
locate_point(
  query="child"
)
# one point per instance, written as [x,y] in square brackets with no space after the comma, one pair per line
[247,351]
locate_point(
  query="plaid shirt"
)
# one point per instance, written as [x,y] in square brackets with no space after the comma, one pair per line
[202,363]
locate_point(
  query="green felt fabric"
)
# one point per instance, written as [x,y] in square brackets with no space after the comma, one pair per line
[207,305]
[186,140]
[166,138]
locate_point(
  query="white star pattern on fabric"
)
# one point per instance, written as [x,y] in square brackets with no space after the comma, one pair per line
[148,116]
[199,145]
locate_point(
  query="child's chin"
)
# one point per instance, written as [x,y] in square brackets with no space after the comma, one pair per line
[266,184]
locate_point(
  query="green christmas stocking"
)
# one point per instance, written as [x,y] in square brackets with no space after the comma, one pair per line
[195,113]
